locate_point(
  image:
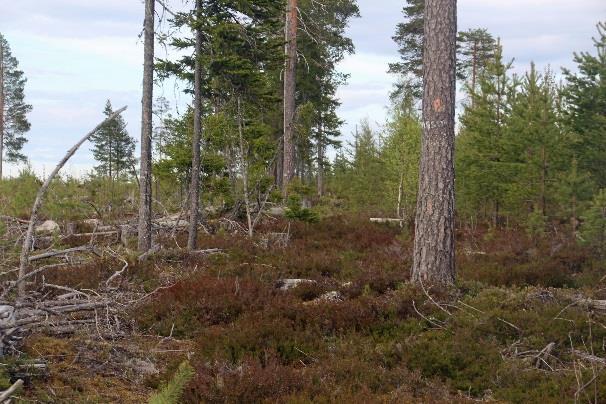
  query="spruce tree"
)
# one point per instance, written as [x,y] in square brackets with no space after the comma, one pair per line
[13,108]
[113,148]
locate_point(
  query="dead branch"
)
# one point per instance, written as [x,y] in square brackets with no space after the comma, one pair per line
[541,358]
[55,253]
[28,240]
[589,357]
[11,390]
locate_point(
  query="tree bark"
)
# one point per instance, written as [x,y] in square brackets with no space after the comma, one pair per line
[244,170]
[145,196]
[1,108]
[320,163]
[434,255]
[192,242]
[290,70]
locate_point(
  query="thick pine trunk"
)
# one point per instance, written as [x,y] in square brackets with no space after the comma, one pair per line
[434,255]
[1,108]
[194,191]
[145,197]
[288,165]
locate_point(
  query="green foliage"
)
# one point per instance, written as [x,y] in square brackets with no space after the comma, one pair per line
[295,209]
[113,148]
[536,223]
[297,212]
[173,391]
[593,230]
[15,109]
[585,108]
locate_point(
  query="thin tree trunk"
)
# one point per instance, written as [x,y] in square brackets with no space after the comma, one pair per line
[543,181]
[320,164]
[474,72]
[573,221]
[1,108]
[29,236]
[290,70]
[145,197]
[495,217]
[434,253]
[400,214]
[400,189]
[244,168]
[192,242]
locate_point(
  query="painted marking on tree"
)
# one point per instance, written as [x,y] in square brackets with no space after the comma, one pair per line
[438,105]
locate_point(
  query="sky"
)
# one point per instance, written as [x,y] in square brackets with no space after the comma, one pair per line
[77,54]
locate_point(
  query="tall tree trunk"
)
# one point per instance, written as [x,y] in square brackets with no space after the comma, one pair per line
[434,255]
[290,70]
[192,242]
[1,108]
[474,72]
[145,197]
[244,170]
[320,163]
[543,181]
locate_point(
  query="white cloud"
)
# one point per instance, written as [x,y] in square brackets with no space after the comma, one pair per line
[78,53]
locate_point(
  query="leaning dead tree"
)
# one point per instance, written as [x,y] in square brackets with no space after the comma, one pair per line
[29,236]
[145,192]
[434,232]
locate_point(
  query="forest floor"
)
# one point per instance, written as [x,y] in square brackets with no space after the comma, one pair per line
[524,323]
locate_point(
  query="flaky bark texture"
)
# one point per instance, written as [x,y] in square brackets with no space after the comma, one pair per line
[434,257]
[1,108]
[145,193]
[194,191]
[290,71]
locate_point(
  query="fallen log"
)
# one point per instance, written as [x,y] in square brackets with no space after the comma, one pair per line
[385,220]
[589,357]
[55,253]
[11,390]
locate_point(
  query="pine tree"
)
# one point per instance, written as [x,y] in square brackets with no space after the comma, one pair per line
[480,159]
[13,108]
[475,47]
[409,38]
[535,144]
[585,108]
[434,226]
[113,147]
[593,230]
[476,50]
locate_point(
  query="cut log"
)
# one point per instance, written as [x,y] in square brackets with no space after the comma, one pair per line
[385,220]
